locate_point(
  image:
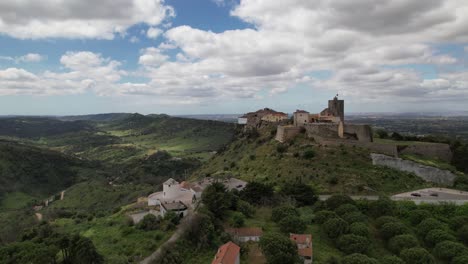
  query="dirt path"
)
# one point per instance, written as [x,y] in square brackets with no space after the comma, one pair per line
[184,224]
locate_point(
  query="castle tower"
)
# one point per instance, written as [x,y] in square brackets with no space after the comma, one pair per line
[336,108]
[171,189]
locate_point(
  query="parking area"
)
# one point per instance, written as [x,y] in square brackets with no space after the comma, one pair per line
[434,195]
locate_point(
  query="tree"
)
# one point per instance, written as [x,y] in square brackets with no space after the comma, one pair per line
[237,219]
[353,244]
[302,193]
[379,222]
[82,250]
[283,211]
[257,193]
[462,234]
[322,216]
[383,206]
[436,236]
[359,229]
[417,255]
[397,136]
[460,259]
[354,217]
[400,242]
[447,250]
[458,221]
[338,199]
[335,227]
[346,208]
[149,222]
[391,260]
[172,218]
[245,208]
[358,258]
[392,229]
[429,224]
[417,216]
[292,224]
[278,249]
[216,198]
[201,233]
[308,154]
[380,133]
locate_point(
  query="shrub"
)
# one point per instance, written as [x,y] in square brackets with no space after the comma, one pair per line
[302,193]
[417,255]
[353,244]
[429,224]
[278,249]
[149,222]
[335,227]
[346,208]
[333,260]
[400,242]
[462,234]
[322,216]
[359,229]
[391,260]
[392,229]
[283,211]
[256,193]
[281,148]
[383,206]
[385,219]
[448,249]
[337,200]
[357,258]
[354,217]
[418,215]
[436,236]
[292,224]
[458,221]
[308,154]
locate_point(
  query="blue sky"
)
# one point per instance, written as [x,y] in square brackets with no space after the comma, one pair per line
[215,56]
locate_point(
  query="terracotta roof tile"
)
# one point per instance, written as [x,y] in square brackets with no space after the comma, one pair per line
[227,254]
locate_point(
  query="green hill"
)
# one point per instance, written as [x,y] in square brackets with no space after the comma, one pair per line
[257,156]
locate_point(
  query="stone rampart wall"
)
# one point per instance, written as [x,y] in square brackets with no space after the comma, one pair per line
[429,150]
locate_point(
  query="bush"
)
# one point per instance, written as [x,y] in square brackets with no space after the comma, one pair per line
[359,229]
[392,229]
[335,227]
[462,234]
[322,216]
[302,193]
[418,215]
[383,206]
[333,260]
[346,208]
[237,219]
[292,224]
[458,221]
[283,211]
[391,260]
[337,200]
[354,217]
[436,236]
[401,242]
[308,154]
[417,255]
[281,148]
[278,249]
[448,249]
[353,244]
[256,193]
[385,219]
[429,224]
[357,258]
[244,207]
[149,222]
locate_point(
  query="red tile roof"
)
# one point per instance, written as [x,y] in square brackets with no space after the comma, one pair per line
[245,231]
[227,254]
[301,111]
[304,240]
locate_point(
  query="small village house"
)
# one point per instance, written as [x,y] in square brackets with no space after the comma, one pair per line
[304,246]
[228,253]
[245,234]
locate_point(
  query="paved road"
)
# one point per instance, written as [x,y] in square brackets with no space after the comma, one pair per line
[416,200]
[184,224]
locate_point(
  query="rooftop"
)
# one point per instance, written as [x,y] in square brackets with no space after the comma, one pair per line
[174,206]
[227,254]
[171,181]
[303,240]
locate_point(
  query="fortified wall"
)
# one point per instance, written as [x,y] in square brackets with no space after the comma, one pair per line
[286,132]
[427,173]
[430,150]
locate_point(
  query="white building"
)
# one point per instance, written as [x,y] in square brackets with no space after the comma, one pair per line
[245,234]
[172,192]
[178,208]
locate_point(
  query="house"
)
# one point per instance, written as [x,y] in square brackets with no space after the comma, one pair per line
[228,253]
[179,208]
[172,192]
[304,246]
[245,234]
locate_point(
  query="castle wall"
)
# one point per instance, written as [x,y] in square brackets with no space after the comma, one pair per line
[336,108]
[301,119]
[326,130]
[387,149]
[363,133]
[285,133]
[427,173]
[429,150]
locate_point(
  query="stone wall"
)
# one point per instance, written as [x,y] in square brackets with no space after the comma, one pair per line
[327,130]
[361,132]
[386,149]
[427,173]
[429,150]
[285,133]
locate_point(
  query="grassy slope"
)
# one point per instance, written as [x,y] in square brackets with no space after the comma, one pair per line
[333,169]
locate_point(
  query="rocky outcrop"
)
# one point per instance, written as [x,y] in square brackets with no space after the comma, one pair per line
[427,173]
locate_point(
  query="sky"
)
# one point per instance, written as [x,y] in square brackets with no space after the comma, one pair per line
[62,57]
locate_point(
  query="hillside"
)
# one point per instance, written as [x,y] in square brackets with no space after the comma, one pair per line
[349,170]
